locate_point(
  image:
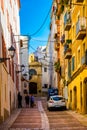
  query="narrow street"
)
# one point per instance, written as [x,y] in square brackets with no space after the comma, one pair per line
[62,120]
[39,118]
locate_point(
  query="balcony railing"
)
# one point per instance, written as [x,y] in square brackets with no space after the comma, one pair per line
[67,52]
[79,0]
[81,28]
[67,21]
[62,38]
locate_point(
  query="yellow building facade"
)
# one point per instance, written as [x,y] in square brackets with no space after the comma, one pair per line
[72,15]
[75,51]
[35,73]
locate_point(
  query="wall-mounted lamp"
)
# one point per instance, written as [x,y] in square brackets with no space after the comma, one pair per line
[11,53]
[22,69]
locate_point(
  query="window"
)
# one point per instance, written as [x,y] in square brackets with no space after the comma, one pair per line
[73,63]
[45,85]
[70,96]
[69,69]
[32,72]
[36,58]
[78,57]
[45,69]
[83,48]
[83,11]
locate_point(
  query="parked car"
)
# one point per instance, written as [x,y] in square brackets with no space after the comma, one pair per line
[52,92]
[56,101]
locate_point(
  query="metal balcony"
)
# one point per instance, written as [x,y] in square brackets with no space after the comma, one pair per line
[67,51]
[81,28]
[67,21]
[62,40]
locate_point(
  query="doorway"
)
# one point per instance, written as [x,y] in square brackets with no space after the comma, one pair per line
[32,88]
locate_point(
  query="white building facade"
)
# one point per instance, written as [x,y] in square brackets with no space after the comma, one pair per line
[52,54]
[24,61]
[42,58]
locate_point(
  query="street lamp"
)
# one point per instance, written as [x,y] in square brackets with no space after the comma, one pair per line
[11,53]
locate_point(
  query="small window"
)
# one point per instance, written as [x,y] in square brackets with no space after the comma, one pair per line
[83,48]
[32,72]
[78,57]
[45,85]
[73,63]
[70,96]
[45,69]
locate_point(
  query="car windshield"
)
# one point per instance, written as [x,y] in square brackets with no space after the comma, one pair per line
[57,98]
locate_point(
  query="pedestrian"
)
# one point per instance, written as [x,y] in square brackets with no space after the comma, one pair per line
[27,100]
[19,100]
[32,101]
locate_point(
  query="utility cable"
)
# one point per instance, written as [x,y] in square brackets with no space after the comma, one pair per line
[42,23]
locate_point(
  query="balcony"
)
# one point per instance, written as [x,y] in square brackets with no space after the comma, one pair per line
[81,28]
[67,52]
[62,38]
[79,1]
[67,21]
[57,66]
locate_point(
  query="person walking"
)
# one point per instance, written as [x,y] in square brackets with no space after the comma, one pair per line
[19,100]
[27,98]
[32,101]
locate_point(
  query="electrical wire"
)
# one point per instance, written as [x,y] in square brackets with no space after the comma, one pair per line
[43,40]
[42,23]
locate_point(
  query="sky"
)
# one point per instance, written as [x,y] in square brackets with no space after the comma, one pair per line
[35,21]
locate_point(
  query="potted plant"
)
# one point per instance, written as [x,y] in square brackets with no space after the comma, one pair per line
[57,66]
[68,41]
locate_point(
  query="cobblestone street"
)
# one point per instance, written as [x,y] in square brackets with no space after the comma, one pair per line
[39,118]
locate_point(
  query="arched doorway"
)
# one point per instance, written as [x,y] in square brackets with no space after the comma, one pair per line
[32,88]
[75,98]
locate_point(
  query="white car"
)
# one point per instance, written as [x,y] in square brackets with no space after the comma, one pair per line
[56,101]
